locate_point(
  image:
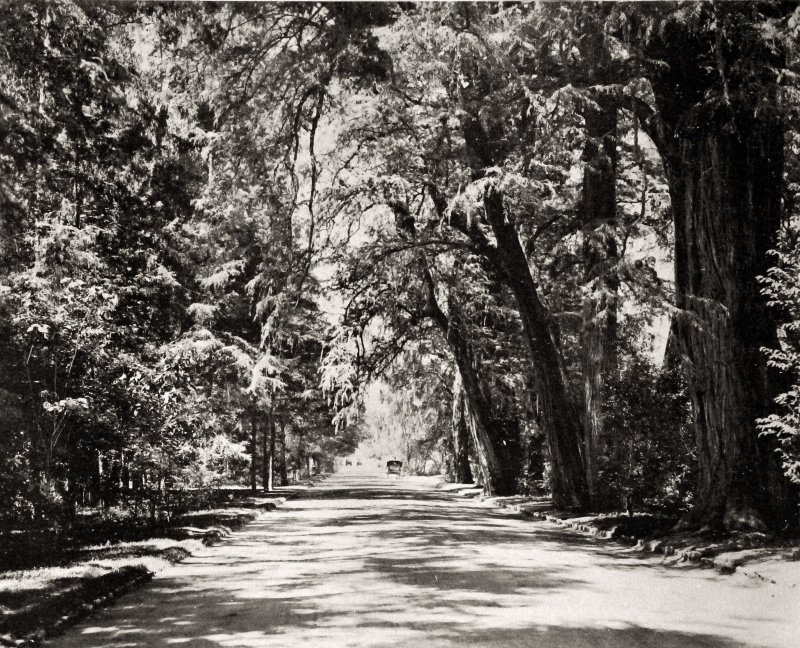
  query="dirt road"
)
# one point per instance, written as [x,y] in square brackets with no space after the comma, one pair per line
[365,561]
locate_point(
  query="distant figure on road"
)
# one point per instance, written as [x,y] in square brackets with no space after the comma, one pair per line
[394,467]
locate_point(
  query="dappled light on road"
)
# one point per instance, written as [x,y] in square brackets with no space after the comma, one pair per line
[362,561]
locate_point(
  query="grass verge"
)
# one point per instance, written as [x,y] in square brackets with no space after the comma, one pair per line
[42,602]
[755,554]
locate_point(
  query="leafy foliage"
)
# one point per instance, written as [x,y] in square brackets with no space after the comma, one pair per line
[781,285]
[222,223]
[647,454]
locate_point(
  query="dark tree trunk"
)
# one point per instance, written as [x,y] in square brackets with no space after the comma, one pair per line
[724,163]
[597,213]
[298,466]
[495,440]
[113,483]
[460,435]
[271,450]
[253,453]
[536,455]
[284,477]
[496,446]
[266,458]
[448,467]
[672,352]
[725,220]
[559,416]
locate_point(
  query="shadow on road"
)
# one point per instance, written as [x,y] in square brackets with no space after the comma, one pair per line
[371,565]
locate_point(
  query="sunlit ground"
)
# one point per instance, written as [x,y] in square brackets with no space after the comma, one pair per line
[368,560]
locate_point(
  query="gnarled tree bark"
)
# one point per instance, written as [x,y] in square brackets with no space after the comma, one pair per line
[724,162]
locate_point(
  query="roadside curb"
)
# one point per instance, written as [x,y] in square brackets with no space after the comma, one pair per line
[692,554]
[308,483]
[133,577]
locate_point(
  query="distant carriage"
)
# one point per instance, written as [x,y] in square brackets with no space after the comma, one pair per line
[394,467]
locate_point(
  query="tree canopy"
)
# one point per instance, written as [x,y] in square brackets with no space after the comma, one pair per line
[543,229]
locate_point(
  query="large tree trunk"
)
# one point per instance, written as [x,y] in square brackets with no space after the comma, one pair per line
[725,220]
[559,415]
[460,433]
[486,461]
[597,213]
[495,441]
[724,165]
[496,445]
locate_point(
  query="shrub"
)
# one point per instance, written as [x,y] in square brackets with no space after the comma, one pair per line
[781,286]
[645,454]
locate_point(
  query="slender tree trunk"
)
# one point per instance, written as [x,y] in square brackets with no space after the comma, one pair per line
[253,452]
[271,449]
[560,418]
[266,458]
[724,167]
[597,213]
[99,487]
[536,456]
[297,468]
[113,481]
[448,466]
[459,432]
[672,352]
[284,478]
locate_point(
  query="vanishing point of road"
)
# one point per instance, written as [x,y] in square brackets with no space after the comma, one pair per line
[362,561]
